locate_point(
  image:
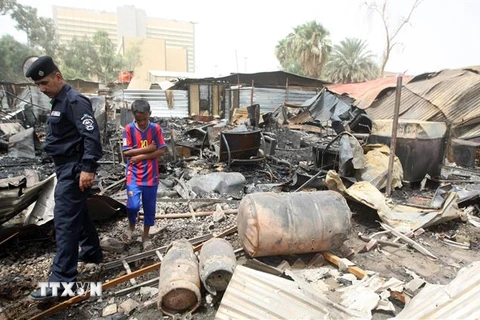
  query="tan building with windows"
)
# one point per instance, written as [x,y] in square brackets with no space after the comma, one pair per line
[165,45]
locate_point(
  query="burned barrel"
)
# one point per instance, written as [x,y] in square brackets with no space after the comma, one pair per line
[217,263]
[288,223]
[420,145]
[179,284]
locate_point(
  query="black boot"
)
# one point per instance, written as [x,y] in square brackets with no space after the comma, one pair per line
[37,294]
[96,258]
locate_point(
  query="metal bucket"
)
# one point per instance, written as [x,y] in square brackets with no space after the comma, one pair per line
[217,263]
[179,284]
[289,223]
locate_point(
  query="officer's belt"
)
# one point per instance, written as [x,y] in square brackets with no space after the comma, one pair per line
[59,160]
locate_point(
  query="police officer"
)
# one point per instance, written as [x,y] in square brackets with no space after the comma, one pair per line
[73,141]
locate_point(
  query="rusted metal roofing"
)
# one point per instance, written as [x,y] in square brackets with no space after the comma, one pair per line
[365,93]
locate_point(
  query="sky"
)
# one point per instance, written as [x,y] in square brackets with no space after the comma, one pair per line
[241,36]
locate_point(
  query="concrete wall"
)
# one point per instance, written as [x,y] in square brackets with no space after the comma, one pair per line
[153,56]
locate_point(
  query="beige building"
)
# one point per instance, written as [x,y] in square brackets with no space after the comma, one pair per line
[165,45]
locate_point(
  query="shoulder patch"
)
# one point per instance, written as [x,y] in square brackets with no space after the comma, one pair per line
[88,124]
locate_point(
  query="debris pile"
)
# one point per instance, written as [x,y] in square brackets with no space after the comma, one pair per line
[282,216]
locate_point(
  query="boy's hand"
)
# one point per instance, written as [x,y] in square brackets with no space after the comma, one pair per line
[137,159]
[152,147]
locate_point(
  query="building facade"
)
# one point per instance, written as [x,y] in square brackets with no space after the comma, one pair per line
[167,45]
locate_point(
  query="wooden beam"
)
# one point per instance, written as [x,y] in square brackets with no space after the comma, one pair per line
[359,273]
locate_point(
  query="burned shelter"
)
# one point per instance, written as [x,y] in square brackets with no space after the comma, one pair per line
[280,197]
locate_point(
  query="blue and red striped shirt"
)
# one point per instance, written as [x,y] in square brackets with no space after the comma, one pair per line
[143,173]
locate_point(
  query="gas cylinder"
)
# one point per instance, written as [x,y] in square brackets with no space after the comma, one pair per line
[179,284]
[217,263]
[272,223]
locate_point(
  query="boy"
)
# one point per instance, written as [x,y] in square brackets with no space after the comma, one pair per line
[143,143]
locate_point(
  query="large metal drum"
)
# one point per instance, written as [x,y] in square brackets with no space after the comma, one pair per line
[179,284]
[288,223]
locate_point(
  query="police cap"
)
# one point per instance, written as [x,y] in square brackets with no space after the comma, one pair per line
[41,68]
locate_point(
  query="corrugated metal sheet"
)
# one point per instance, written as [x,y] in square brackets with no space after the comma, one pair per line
[412,106]
[365,93]
[253,294]
[469,130]
[423,110]
[446,91]
[472,98]
[470,134]
[270,99]
[452,96]
[158,101]
[14,201]
[228,104]
[474,68]
[458,300]
[423,85]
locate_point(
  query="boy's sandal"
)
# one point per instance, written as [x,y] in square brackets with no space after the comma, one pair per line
[127,236]
[147,245]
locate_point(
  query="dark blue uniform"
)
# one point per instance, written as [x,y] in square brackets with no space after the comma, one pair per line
[73,141]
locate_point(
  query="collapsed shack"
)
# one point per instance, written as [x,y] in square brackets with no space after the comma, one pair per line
[291,201]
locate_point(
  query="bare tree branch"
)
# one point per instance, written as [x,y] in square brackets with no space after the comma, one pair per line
[407,19]
[389,35]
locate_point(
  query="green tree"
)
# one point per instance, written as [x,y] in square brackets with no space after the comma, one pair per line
[76,59]
[307,46]
[5,6]
[40,31]
[351,61]
[94,58]
[107,62]
[288,64]
[13,54]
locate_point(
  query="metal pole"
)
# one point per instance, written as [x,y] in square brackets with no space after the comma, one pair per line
[251,93]
[105,125]
[238,83]
[393,142]
[286,90]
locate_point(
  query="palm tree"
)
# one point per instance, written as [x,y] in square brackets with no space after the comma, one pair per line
[350,62]
[288,64]
[306,47]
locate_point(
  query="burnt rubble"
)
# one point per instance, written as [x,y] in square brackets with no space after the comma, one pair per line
[216,178]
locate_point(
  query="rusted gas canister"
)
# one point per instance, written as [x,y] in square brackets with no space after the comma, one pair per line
[217,263]
[179,284]
[288,223]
